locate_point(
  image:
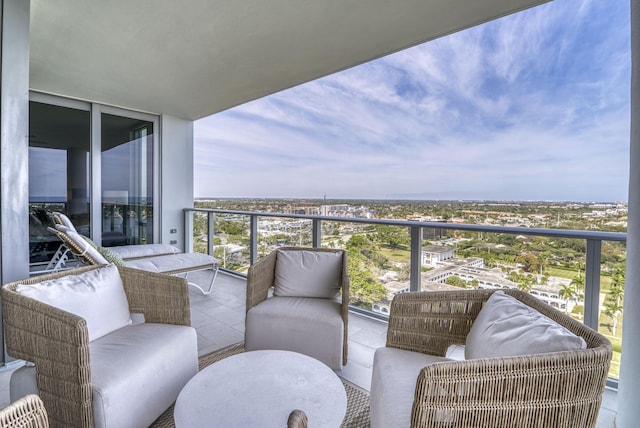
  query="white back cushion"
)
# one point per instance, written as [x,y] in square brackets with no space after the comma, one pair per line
[304,273]
[97,296]
[64,220]
[83,245]
[507,327]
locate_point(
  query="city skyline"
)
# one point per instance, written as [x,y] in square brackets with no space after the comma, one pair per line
[533,106]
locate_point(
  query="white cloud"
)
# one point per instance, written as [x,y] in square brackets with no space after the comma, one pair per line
[532,106]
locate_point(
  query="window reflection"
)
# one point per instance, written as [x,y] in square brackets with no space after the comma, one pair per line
[59,144]
[127,181]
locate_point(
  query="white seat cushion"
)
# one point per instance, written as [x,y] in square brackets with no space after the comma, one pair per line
[455,352]
[173,262]
[507,327]
[313,327]
[393,385]
[138,371]
[97,296]
[146,250]
[301,273]
[23,382]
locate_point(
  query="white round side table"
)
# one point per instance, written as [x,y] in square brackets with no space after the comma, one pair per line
[260,389]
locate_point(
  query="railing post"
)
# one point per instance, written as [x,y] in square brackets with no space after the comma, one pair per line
[253,239]
[188,231]
[316,239]
[415,272]
[592,283]
[211,229]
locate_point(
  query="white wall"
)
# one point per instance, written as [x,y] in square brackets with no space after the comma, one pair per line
[176,190]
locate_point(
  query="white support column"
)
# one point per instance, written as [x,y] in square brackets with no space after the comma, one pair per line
[175,179]
[14,143]
[629,386]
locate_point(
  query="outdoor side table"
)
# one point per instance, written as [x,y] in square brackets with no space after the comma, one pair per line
[260,389]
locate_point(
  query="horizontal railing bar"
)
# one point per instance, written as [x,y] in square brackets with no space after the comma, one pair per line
[552,233]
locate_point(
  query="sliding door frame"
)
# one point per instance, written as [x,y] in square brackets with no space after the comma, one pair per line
[95,164]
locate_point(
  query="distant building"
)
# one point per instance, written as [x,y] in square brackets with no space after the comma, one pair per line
[433,234]
[302,210]
[396,287]
[472,271]
[433,254]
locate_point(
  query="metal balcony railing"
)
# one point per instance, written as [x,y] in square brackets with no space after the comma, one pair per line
[592,259]
[593,243]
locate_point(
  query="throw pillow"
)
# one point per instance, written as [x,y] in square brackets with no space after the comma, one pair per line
[97,296]
[301,273]
[90,241]
[111,256]
[107,253]
[507,327]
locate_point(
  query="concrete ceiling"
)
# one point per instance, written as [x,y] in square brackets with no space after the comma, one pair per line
[193,58]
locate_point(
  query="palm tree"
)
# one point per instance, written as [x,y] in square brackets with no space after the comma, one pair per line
[613,309]
[525,283]
[616,294]
[567,292]
[617,279]
[543,261]
[578,282]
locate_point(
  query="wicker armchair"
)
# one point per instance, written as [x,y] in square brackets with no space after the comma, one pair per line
[27,412]
[57,341]
[560,389]
[260,280]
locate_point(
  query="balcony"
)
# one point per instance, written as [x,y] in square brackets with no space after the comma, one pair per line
[219,321]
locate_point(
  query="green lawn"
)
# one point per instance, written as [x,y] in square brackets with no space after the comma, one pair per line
[561,272]
[396,254]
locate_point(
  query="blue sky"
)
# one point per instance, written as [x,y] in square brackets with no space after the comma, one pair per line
[534,106]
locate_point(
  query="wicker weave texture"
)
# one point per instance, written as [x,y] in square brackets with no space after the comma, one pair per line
[57,341]
[561,389]
[27,412]
[260,278]
[297,419]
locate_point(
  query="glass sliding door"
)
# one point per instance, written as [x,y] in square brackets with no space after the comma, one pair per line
[95,164]
[59,145]
[127,180]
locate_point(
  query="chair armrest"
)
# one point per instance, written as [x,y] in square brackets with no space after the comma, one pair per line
[430,322]
[57,342]
[27,412]
[259,279]
[161,298]
[555,389]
